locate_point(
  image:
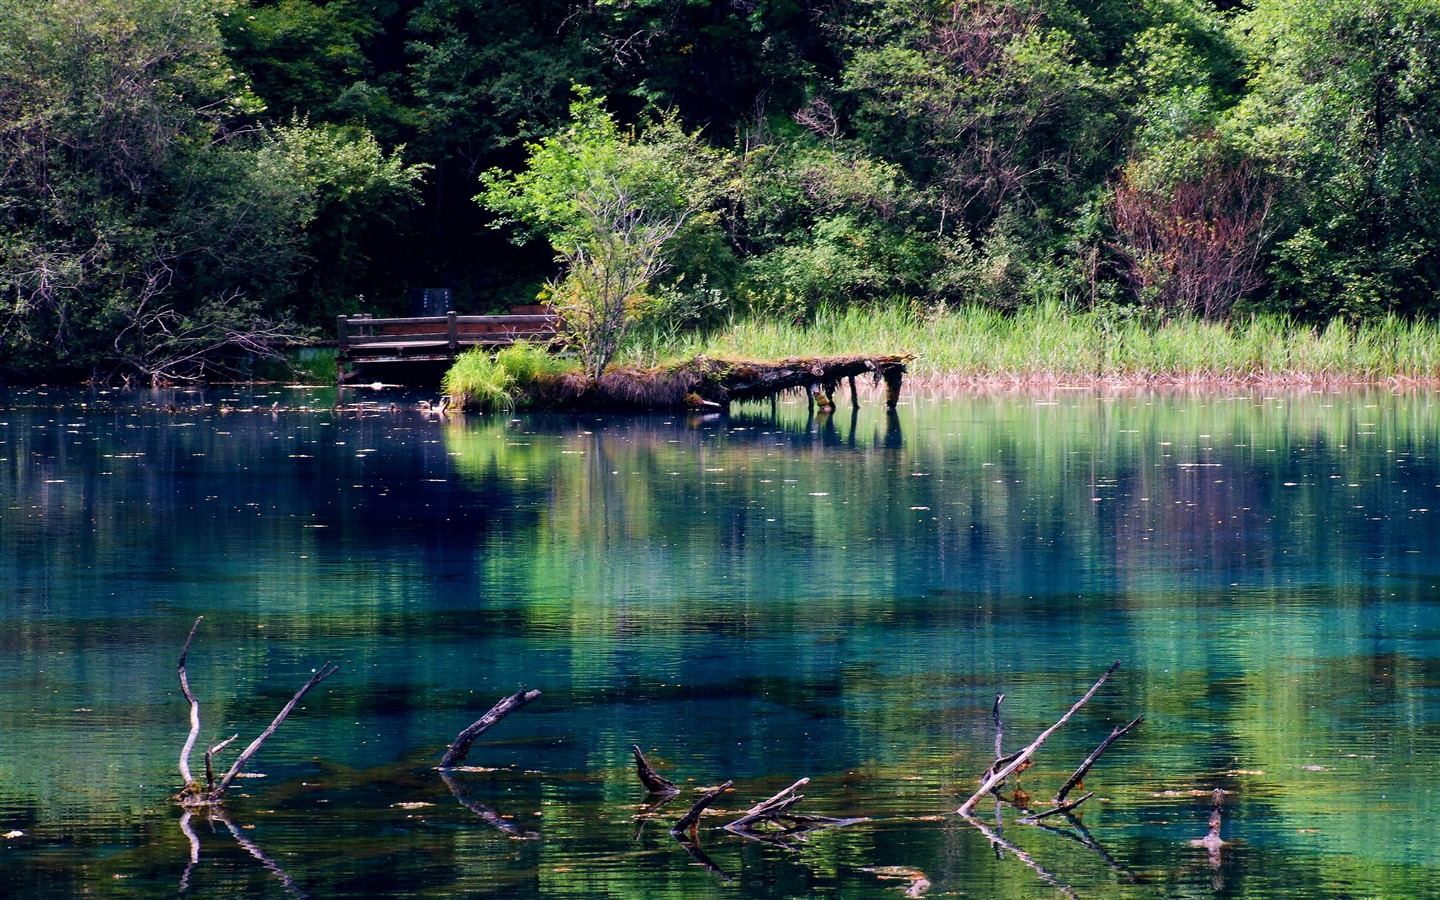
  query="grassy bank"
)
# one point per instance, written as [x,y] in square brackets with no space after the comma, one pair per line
[1051,343]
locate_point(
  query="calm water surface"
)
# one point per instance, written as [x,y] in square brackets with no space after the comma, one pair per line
[752,598]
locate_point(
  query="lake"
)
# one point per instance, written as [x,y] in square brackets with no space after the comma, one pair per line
[757,598]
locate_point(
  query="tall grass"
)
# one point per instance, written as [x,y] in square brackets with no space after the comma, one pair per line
[480,380]
[1051,342]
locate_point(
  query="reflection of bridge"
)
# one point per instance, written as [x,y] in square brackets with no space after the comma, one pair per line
[367,341]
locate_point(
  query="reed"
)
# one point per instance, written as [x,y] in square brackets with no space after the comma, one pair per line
[1050,342]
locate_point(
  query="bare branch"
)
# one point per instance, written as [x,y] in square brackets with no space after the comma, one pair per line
[995,777]
[461,747]
[185,751]
[688,822]
[323,673]
[1094,756]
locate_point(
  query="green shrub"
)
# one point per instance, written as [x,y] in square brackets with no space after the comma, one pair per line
[477,380]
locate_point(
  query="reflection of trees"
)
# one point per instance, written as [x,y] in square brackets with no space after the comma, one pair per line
[876,619]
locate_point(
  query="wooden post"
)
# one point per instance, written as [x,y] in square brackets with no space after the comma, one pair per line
[892,376]
[452,333]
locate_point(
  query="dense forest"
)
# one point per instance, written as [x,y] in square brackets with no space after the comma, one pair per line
[183,178]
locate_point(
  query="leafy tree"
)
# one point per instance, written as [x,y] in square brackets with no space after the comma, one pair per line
[360,194]
[615,207]
[309,58]
[986,104]
[1345,106]
[127,217]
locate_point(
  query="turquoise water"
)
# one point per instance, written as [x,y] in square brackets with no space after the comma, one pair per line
[750,598]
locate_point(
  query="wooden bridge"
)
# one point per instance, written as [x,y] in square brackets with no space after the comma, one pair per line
[370,342]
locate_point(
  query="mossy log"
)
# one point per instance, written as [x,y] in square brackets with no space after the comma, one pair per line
[705,383]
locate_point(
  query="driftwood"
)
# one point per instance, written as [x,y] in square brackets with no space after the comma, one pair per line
[1095,755]
[689,822]
[772,819]
[212,793]
[995,776]
[461,747]
[649,777]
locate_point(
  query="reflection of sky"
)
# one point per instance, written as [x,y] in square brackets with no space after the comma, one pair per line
[1266,568]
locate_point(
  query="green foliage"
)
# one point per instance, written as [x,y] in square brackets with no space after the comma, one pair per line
[1048,341]
[359,192]
[493,382]
[1345,104]
[307,58]
[525,362]
[615,207]
[220,168]
[477,380]
[136,231]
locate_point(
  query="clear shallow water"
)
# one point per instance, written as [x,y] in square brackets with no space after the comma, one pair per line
[749,598]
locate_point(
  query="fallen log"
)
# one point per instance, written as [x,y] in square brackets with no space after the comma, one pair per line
[460,748]
[703,382]
[996,776]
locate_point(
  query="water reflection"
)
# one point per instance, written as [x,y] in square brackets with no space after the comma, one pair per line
[761,597]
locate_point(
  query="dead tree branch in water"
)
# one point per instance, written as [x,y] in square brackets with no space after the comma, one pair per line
[649,777]
[461,747]
[185,751]
[193,794]
[689,822]
[772,817]
[995,776]
[1093,757]
[1058,810]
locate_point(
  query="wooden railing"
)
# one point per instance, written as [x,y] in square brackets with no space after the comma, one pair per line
[363,340]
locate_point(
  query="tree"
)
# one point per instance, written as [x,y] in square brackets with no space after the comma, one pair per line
[616,208]
[132,220]
[1345,107]
[1191,245]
